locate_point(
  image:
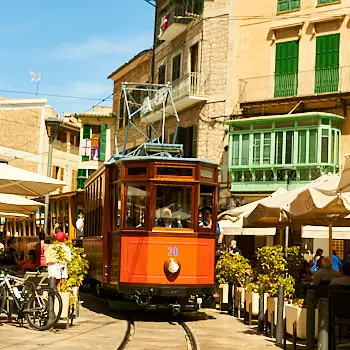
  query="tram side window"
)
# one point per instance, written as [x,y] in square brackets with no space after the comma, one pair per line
[206,206]
[115,206]
[173,206]
[136,206]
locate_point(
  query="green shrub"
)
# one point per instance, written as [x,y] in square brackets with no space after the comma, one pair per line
[233,269]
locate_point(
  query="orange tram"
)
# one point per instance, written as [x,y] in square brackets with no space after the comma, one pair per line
[145,237]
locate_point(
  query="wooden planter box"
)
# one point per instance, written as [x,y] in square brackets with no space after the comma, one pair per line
[253,299]
[298,315]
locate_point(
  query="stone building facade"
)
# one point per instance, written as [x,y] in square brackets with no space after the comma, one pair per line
[24,142]
[192,50]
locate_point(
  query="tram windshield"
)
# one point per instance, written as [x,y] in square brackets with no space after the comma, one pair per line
[173,206]
[136,206]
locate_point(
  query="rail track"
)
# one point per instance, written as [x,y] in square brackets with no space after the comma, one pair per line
[131,335]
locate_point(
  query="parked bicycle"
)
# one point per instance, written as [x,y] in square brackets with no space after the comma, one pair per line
[40,306]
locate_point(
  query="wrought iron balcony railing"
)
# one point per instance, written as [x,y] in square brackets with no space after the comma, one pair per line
[306,83]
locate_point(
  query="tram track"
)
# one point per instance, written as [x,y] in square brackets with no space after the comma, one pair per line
[191,342]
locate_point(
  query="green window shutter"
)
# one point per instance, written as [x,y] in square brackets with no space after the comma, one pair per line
[286,68]
[102,153]
[86,131]
[267,148]
[198,6]
[294,4]
[322,2]
[81,182]
[287,5]
[256,148]
[327,63]
[194,141]
[86,135]
[282,5]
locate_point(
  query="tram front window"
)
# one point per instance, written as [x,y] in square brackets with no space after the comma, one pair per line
[173,206]
[136,206]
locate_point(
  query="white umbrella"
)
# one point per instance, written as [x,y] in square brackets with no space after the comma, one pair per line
[17,204]
[236,229]
[23,182]
[244,210]
[13,215]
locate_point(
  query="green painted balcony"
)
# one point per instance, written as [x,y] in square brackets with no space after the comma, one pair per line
[298,84]
[266,153]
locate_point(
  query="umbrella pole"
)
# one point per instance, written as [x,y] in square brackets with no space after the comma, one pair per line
[286,238]
[330,238]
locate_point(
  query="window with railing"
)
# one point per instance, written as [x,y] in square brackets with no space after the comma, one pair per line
[261,152]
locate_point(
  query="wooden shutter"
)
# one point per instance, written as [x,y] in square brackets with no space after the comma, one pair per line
[81,182]
[327,63]
[286,68]
[102,155]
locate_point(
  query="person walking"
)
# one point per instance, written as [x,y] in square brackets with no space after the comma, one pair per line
[336,262]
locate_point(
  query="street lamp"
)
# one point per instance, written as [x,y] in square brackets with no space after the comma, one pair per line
[52,127]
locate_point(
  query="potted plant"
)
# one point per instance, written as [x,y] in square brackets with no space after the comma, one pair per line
[295,310]
[271,272]
[232,270]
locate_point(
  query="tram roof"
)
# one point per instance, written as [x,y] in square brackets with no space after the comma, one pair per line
[118,159]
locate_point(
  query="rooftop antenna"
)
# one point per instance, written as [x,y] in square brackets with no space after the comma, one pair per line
[36,77]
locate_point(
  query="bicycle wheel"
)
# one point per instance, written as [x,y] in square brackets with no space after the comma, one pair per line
[38,306]
[3,297]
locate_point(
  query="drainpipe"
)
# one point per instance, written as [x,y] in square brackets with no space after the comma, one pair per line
[154,43]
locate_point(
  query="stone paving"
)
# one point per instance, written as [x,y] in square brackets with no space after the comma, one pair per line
[99,327]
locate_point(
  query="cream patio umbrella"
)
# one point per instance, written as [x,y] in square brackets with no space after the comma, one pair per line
[273,211]
[324,204]
[244,210]
[13,215]
[11,203]
[23,182]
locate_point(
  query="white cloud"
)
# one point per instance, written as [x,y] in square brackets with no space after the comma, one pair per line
[96,46]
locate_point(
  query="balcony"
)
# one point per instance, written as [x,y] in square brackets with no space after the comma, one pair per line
[187,91]
[174,22]
[300,84]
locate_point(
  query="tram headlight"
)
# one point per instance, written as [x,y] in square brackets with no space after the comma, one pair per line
[172,269]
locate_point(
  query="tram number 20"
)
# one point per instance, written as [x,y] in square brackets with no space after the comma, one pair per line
[173,251]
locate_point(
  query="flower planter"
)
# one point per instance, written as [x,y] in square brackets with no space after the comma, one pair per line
[240,295]
[65,304]
[253,299]
[272,307]
[298,315]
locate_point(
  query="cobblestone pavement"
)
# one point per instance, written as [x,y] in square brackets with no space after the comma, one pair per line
[99,327]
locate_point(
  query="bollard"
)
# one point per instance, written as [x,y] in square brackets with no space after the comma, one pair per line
[310,318]
[280,304]
[261,310]
[52,284]
[239,306]
[231,306]
[323,314]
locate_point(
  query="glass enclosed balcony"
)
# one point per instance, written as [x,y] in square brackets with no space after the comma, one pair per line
[264,150]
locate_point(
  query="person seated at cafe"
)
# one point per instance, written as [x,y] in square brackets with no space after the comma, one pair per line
[206,221]
[325,273]
[28,264]
[12,258]
[345,279]
[166,220]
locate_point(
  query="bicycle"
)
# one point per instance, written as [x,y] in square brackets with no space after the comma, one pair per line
[32,303]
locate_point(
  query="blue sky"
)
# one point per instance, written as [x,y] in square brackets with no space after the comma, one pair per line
[74,44]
